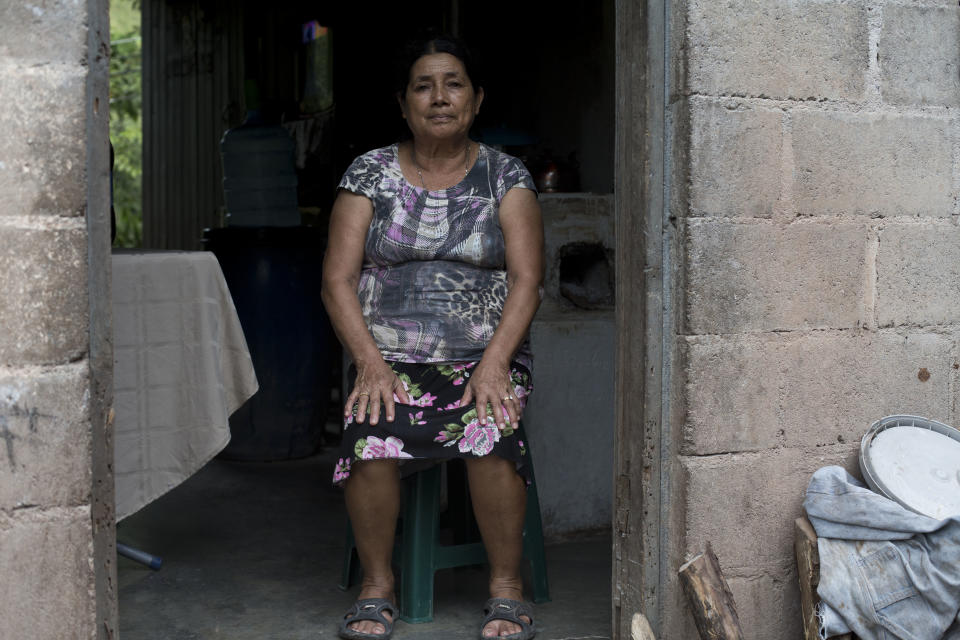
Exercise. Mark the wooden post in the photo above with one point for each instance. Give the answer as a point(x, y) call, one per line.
point(808, 573)
point(710, 599)
point(640, 628)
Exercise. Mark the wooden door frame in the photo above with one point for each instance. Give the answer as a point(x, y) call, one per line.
point(642, 258)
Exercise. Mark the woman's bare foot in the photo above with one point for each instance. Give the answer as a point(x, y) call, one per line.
point(374, 591)
point(512, 590)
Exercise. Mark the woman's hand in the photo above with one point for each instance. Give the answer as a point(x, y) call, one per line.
point(375, 384)
point(490, 384)
point(490, 381)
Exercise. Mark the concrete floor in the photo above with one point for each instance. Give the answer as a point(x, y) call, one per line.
point(254, 550)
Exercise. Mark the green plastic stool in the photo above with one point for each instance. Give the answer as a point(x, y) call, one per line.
point(421, 554)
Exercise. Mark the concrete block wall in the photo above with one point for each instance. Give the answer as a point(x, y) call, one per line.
point(819, 251)
point(56, 491)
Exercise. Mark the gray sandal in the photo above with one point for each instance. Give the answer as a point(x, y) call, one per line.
point(510, 611)
point(368, 609)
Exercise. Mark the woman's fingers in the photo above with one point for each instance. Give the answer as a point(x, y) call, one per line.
point(508, 411)
point(497, 407)
point(393, 390)
point(482, 402)
point(375, 407)
point(493, 399)
point(387, 404)
point(393, 394)
point(358, 402)
point(491, 402)
point(375, 397)
point(400, 392)
point(363, 403)
point(512, 408)
point(467, 396)
point(371, 399)
point(348, 406)
point(378, 396)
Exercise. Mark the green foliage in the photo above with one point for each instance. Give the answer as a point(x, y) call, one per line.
point(126, 127)
point(124, 17)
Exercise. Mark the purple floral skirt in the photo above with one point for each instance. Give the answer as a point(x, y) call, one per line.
point(435, 426)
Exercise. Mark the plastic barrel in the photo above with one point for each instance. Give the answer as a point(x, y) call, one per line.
point(259, 176)
point(274, 276)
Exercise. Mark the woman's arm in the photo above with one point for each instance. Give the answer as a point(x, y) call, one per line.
point(349, 222)
point(523, 236)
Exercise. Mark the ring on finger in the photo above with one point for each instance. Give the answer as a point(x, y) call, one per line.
point(363, 394)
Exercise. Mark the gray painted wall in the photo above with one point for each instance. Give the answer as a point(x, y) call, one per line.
point(570, 422)
point(570, 416)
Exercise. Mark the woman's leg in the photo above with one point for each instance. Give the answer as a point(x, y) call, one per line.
point(372, 493)
point(500, 503)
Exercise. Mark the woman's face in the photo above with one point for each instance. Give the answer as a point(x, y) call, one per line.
point(440, 102)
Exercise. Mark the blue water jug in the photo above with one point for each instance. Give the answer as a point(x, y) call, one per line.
point(259, 177)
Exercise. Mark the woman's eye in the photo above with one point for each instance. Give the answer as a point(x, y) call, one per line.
point(421, 87)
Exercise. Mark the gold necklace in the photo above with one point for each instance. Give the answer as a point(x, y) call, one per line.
point(466, 162)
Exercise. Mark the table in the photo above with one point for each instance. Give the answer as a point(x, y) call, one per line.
point(181, 367)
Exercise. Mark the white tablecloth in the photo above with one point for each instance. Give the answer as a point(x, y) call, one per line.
point(181, 367)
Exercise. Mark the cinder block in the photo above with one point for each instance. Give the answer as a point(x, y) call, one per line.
point(768, 603)
point(754, 495)
point(748, 393)
point(48, 575)
point(43, 155)
point(919, 56)
point(733, 394)
point(43, 295)
point(765, 277)
point(735, 155)
point(918, 275)
point(44, 437)
point(48, 32)
point(778, 49)
point(835, 388)
point(872, 164)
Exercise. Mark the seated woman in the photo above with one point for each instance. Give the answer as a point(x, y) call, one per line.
point(432, 277)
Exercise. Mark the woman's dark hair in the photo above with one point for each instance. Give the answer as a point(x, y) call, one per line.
point(426, 44)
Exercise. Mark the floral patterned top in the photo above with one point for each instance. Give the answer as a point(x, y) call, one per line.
point(433, 280)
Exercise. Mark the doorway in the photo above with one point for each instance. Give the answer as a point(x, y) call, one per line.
point(558, 63)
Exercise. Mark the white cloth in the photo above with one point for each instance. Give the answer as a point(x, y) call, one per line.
point(181, 367)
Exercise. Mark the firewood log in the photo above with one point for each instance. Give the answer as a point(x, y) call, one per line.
point(711, 602)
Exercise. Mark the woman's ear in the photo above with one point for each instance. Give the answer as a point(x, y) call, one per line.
point(403, 105)
point(479, 99)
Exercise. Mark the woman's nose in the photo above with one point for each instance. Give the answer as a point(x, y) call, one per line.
point(439, 96)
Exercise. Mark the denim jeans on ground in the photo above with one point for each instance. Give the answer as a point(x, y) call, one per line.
point(885, 571)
